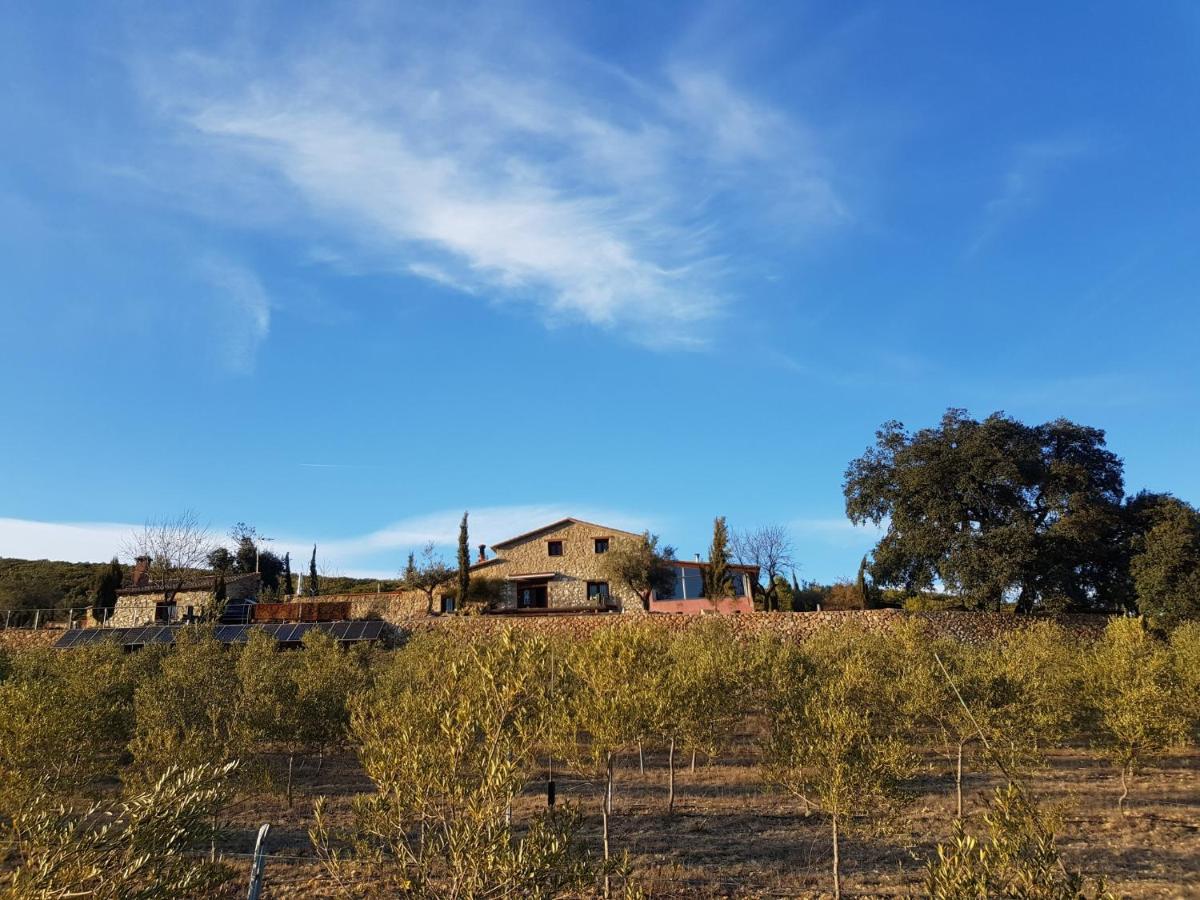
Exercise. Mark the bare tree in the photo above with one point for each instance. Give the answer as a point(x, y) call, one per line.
point(175, 547)
point(770, 548)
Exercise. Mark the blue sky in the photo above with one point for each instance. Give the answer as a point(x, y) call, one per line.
point(345, 271)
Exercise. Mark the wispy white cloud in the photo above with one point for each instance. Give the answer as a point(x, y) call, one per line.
point(837, 530)
point(534, 175)
point(1031, 166)
point(242, 309)
point(487, 526)
point(378, 553)
point(70, 541)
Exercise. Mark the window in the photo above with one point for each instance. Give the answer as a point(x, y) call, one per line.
point(554, 548)
point(597, 592)
point(531, 596)
point(738, 581)
point(601, 545)
point(689, 584)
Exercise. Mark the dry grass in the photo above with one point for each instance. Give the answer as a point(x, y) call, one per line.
point(732, 837)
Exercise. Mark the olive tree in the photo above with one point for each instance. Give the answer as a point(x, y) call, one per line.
point(832, 740)
point(297, 702)
point(1017, 858)
point(192, 711)
point(1135, 693)
point(64, 719)
point(449, 737)
point(142, 845)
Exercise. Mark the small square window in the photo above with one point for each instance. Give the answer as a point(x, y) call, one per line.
point(554, 548)
point(597, 592)
point(601, 545)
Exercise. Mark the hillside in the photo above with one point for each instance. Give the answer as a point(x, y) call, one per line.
point(46, 584)
point(53, 584)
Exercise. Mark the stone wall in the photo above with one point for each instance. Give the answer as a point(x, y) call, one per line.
point(391, 606)
point(971, 627)
point(579, 564)
point(27, 638)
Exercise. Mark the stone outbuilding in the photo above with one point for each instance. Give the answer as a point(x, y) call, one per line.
point(143, 603)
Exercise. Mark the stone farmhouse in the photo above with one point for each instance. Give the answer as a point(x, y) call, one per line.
point(560, 567)
point(143, 603)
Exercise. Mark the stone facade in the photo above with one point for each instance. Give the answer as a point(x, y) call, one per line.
point(144, 605)
point(567, 576)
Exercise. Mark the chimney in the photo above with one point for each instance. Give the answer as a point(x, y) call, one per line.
point(482, 553)
point(141, 571)
point(697, 557)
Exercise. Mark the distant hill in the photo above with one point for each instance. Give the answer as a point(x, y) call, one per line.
point(52, 584)
point(46, 584)
point(344, 585)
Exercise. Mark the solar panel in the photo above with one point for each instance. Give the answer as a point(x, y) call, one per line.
point(339, 630)
point(302, 630)
point(372, 629)
point(67, 638)
point(226, 633)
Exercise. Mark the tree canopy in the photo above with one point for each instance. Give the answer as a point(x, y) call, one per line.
point(1166, 563)
point(995, 510)
point(640, 566)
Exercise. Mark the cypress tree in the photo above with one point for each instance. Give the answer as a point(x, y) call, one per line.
point(107, 586)
point(313, 588)
point(464, 563)
point(287, 575)
point(718, 583)
point(860, 583)
point(219, 590)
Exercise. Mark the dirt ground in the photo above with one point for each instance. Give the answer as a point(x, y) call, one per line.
point(732, 837)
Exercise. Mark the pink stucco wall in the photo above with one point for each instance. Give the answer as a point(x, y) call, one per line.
point(701, 605)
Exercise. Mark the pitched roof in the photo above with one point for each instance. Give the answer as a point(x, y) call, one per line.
point(567, 521)
point(207, 583)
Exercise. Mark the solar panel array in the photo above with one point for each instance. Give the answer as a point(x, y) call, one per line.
point(287, 633)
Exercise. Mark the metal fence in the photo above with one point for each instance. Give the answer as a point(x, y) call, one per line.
point(60, 617)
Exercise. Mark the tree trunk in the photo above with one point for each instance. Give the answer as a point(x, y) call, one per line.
point(1124, 788)
point(837, 875)
point(320, 760)
point(1025, 600)
point(641, 760)
point(291, 766)
point(671, 778)
point(693, 760)
point(958, 770)
point(604, 821)
point(608, 786)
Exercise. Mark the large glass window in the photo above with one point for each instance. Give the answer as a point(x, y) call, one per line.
point(689, 584)
point(738, 582)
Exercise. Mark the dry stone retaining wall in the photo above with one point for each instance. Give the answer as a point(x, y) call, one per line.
point(28, 638)
point(971, 627)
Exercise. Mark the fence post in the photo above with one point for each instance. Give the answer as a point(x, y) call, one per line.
point(258, 865)
point(37, 615)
